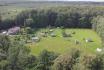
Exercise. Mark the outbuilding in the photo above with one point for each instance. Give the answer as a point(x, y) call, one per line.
point(51, 30)
point(43, 34)
point(13, 31)
point(35, 39)
point(53, 35)
point(88, 40)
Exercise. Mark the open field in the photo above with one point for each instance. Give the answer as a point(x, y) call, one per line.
point(62, 45)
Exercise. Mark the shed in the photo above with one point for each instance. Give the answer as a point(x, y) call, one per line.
point(51, 30)
point(53, 35)
point(43, 34)
point(35, 39)
point(88, 40)
point(28, 41)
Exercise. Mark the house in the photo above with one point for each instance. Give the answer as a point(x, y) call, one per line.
point(13, 31)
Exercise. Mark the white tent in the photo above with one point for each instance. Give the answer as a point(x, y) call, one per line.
point(98, 50)
point(51, 30)
point(88, 40)
point(4, 32)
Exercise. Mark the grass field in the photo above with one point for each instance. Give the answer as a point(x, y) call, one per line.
point(62, 45)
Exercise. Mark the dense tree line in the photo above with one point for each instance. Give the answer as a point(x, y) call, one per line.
point(70, 17)
point(56, 17)
point(98, 26)
point(15, 56)
point(75, 61)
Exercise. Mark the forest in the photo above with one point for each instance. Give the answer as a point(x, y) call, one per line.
point(15, 54)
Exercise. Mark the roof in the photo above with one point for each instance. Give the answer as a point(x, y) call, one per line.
point(51, 30)
point(88, 39)
point(52, 33)
point(35, 38)
point(14, 30)
point(4, 32)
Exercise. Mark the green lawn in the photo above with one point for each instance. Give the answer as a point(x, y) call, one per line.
point(62, 45)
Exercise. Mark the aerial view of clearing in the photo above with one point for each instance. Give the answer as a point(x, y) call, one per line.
point(84, 39)
point(51, 35)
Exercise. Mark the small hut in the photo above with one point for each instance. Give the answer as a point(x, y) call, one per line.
point(28, 41)
point(2, 55)
point(53, 35)
point(88, 40)
point(43, 34)
point(35, 39)
point(51, 31)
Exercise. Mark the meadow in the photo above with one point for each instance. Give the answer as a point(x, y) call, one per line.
point(63, 45)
